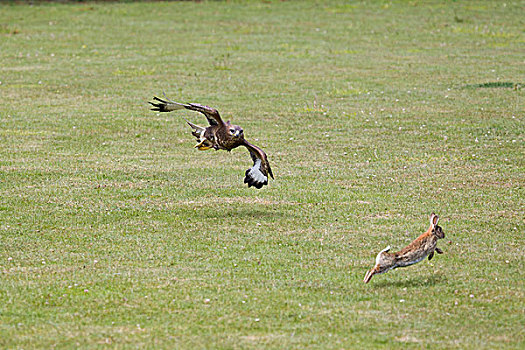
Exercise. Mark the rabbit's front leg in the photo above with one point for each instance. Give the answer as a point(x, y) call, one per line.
point(430, 256)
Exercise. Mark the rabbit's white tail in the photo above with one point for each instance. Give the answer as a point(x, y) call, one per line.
point(377, 268)
point(378, 257)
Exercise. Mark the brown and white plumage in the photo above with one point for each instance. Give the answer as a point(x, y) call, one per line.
point(221, 135)
point(423, 246)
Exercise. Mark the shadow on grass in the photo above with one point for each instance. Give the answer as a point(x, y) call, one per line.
point(492, 85)
point(414, 282)
point(248, 212)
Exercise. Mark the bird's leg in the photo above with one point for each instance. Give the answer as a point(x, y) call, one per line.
point(201, 146)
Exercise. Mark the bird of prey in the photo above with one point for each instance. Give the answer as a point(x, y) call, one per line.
point(221, 135)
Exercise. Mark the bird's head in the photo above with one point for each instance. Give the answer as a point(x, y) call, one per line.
point(235, 131)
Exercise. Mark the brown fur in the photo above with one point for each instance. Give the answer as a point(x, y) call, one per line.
point(423, 246)
point(221, 135)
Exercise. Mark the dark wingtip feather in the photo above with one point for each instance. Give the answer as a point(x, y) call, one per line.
point(159, 99)
point(251, 182)
point(158, 107)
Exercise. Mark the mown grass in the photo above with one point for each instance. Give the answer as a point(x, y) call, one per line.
point(116, 232)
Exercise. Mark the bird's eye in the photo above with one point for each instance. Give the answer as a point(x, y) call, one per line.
point(232, 130)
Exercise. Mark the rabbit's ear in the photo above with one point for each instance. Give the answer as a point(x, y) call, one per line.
point(434, 220)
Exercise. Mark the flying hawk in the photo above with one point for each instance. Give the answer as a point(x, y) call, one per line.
point(221, 135)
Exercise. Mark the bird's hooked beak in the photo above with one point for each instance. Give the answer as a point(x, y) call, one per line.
point(238, 133)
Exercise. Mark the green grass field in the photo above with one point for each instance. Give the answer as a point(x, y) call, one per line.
point(116, 233)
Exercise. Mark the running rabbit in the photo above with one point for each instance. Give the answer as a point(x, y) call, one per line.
point(416, 251)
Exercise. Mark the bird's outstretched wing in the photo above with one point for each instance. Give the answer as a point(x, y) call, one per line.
point(167, 106)
point(257, 175)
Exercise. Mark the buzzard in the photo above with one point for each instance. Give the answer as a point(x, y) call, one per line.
point(221, 135)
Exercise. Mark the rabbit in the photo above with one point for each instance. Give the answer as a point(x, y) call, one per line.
point(424, 245)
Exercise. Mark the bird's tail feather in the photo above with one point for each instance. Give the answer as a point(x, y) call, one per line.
point(195, 127)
